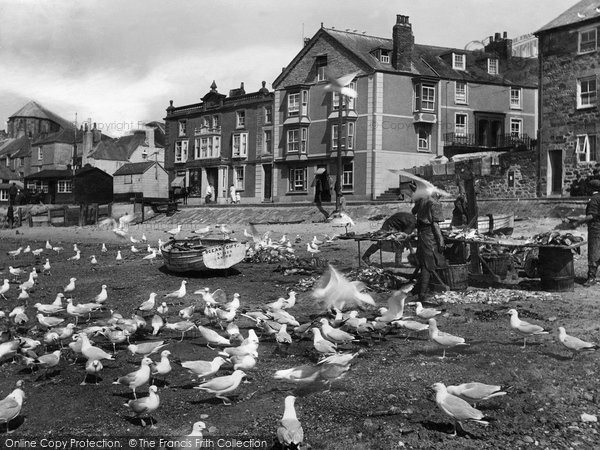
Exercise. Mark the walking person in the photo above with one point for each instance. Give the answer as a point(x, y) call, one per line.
point(233, 194)
point(12, 194)
point(592, 218)
point(430, 244)
point(209, 193)
point(184, 194)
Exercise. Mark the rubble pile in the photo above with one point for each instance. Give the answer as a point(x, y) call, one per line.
point(377, 279)
point(492, 296)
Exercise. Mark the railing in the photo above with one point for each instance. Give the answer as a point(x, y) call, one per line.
point(207, 130)
point(501, 141)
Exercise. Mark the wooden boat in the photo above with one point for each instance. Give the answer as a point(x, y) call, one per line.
point(190, 255)
point(497, 222)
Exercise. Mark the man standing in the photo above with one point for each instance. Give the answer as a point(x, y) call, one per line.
point(12, 194)
point(400, 222)
point(431, 242)
point(592, 218)
point(209, 193)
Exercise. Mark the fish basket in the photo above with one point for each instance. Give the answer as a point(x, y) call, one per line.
point(456, 276)
point(497, 263)
point(192, 255)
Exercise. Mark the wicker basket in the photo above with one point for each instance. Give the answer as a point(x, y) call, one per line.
point(456, 276)
point(498, 264)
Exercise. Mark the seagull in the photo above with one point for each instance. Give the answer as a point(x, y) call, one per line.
point(338, 291)
point(340, 84)
point(243, 362)
point(525, 328)
point(49, 321)
point(322, 345)
point(424, 187)
point(119, 257)
point(175, 231)
point(15, 271)
point(149, 304)
point(71, 286)
point(48, 245)
point(455, 407)
point(137, 378)
point(27, 249)
point(395, 309)
point(411, 325)
point(203, 230)
point(92, 367)
point(245, 348)
point(146, 348)
point(212, 337)
point(49, 360)
point(290, 433)
point(282, 336)
point(144, 238)
point(115, 336)
point(475, 392)
point(163, 367)
point(313, 249)
point(58, 249)
point(103, 249)
point(93, 260)
point(197, 429)
point(163, 309)
point(134, 240)
point(157, 324)
point(15, 253)
point(290, 301)
point(91, 352)
point(10, 406)
point(23, 295)
point(37, 251)
point(301, 374)
point(574, 344)
point(426, 313)
point(75, 257)
point(204, 369)
point(335, 335)
point(47, 267)
point(4, 288)
point(444, 340)
point(145, 405)
point(234, 303)
point(27, 284)
point(226, 231)
point(102, 296)
point(179, 293)
point(48, 309)
point(151, 257)
point(183, 326)
point(186, 313)
point(223, 385)
point(134, 249)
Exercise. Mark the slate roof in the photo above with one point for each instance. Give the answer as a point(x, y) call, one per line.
point(15, 146)
point(34, 109)
point(8, 174)
point(426, 61)
point(583, 11)
point(50, 174)
point(134, 168)
point(119, 149)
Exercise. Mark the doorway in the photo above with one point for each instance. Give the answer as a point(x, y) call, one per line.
point(490, 129)
point(556, 172)
point(212, 177)
point(268, 180)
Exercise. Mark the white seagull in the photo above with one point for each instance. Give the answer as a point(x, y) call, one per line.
point(455, 407)
point(444, 340)
point(525, 328)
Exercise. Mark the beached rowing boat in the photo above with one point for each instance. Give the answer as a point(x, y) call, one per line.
point(190, 255)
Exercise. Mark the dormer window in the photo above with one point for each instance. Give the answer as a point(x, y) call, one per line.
point(384, 56)
point(493, 66)
point(587, 40)
point(459, 61)
point(321, 67)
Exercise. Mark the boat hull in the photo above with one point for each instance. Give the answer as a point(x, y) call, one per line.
point(202, 255)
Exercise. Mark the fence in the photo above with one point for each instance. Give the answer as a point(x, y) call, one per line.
point(70, 215)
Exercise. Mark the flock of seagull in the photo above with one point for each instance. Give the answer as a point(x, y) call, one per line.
point(211, 315)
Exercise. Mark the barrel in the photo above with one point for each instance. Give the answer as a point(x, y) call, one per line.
point(456, 276)
point(556, 269)
point(498, 263)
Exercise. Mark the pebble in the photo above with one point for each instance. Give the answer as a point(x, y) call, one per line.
point(528, 439)
point(585, 417)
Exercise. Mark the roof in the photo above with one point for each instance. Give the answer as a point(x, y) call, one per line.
point(49, 174)
point(134, 168)
point(8, 174)
point(65, 136)
point(119, 149)
point(427, 60)
point(583, 11)
point(13, 146)
point(88, 168)
point(34, 109)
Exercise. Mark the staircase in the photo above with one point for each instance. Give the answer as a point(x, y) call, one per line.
point(391, 195)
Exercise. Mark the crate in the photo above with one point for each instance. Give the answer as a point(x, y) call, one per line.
point(456, 276)
point(499, 264)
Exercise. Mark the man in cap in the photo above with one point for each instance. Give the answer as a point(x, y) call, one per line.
point(592, 218)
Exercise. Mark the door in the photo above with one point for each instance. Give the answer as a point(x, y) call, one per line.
point(556, 172)
point(223, 184)
point(268, 179)
point(212, 177)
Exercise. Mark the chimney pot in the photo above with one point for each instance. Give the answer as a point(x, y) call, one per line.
point(94, 125)
point(242, 85)
point(497, 36)
point(505, 35)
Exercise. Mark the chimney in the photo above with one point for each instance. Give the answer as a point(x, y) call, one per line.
point(496, 36)
point(307, 40)
point(403, 43)
point(500, 45)
point(150, 137)
point(88, 144)
point(97, 134)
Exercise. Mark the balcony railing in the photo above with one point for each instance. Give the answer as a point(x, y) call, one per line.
point(207, 130)
point(521, 141)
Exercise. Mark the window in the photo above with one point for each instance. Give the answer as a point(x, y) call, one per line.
point(128, 179)
point(181, 151)
point(427, 98)
point(348, 176)
point(458, 61)
point(205, 150)
point(240, 145)
point(587, 40)
point(216, 147)
point(304, 95)
point(321, 67)
point(205, 123)
point(586, 148)
point(293, 108)
point(4, 195)
point(65, 186)
point(350, 100)
point(460, 124)
point(40, 156)
point(423, 141)
point(516, 126)
point(347, 135)
point(298, 179)
point(182, 127)
point(384, 56)
point(268, 141)
point(297, 140)
point(515, 98)
point(215, 123)
point(197, 147)
point(240, 119)
point(493, 66)
point(239, 177)
point(268, 114)
point(460, 92)
point(586, 90)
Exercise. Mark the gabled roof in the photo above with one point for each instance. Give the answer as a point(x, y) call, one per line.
point(426, 61)
point(13, 147)
point(63, 136)
point(50, 174)
point(8, 174)
point(82, 171)
point(134, 168)
point(34, 109)
point(583, 11)
point(119, 149)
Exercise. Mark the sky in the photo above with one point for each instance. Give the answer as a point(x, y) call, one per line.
point(119, 62)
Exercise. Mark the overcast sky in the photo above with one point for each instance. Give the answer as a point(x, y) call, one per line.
point(120, 62)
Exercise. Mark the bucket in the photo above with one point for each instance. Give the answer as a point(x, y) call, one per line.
point(456, 276)
point(557, 272)
point(498, 264)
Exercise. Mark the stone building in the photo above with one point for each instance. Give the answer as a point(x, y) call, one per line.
point(223, 140)
point(415, 102)
point(569, 60)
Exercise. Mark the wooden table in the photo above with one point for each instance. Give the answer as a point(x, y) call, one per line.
point(404, 241)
